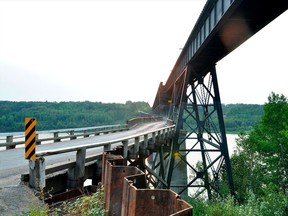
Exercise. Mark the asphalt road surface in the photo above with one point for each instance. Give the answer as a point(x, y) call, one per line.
point(13, 164)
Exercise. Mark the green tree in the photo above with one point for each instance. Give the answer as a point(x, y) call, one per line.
point(269, 139)
point(53, 115)
point(260, 163)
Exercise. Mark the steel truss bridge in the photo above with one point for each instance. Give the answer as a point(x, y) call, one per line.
point(190, 97)
point(189, 101)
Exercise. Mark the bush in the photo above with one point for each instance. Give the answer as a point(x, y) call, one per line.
point(273, 203)
point(92, 205)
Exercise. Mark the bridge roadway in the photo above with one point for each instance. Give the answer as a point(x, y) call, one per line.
point(13, 164)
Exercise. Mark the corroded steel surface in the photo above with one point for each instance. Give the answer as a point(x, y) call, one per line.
point(69, 195)
point(127, 194)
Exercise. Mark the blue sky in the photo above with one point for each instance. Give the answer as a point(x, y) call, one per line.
point(114, 51)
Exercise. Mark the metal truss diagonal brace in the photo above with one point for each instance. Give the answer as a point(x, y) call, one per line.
point(196, 99)
point(224, 147)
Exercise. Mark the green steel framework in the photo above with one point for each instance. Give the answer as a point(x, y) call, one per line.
point(195, 108)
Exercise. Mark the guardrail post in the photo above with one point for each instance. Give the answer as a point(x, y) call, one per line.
point(38, 142)
point(9, 139)
point(151, 143)
point(145, 141)
point(56, 135)
point(85, 134)
point(144, 145)
point(77, 173)
point(166, 134)
point(37, 178)
point(162, 137)
point(72, 137)
point(97, 132)
point(158, 139)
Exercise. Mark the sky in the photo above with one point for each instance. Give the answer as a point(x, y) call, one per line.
point(114, 51)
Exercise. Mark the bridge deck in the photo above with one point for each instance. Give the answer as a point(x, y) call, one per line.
point(13, 164)
point(221, 28)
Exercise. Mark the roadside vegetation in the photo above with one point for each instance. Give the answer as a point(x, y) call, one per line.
point(92, 205)
point(259, 167)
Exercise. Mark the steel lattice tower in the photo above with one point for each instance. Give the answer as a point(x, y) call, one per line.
point(195, 108)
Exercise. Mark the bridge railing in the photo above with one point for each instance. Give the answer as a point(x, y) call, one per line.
point(58, 135)
point(135, 121)
point(206, 23)
point(137, 142)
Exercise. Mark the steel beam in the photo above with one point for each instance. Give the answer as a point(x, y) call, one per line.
point(199, 114)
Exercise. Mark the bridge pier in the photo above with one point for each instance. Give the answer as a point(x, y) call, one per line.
point(37, 176)
point(179, 175)
point(75, 175)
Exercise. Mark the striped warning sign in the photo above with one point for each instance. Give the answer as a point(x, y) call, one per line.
point(30, 138)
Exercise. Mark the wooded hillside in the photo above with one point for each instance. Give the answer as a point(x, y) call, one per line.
point(58, 115)
point(241, 117)
point(54, 115)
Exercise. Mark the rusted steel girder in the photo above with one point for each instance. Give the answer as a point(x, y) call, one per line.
point(127, 193)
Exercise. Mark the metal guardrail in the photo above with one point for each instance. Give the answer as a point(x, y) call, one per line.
point(124, 140)
point(73, 133)
point(136, 142)
point(134, 121)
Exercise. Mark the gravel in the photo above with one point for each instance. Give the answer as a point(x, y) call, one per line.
point(17, 199)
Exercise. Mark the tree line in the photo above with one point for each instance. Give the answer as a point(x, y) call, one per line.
point(58, 115)
point(241, 117)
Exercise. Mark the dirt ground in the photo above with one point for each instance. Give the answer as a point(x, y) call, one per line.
point(17, 199)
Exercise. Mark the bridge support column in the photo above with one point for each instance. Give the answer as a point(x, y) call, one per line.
point(179, 176)
point(107, 147)
point(37, 177)
point(77, 173)
point(125, 148)
point(134, 152)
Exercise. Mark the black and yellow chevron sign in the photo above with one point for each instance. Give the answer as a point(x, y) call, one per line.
point(30, 138)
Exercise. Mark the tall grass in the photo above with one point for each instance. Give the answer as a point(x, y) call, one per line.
point(92, 205)
point(273, 204)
